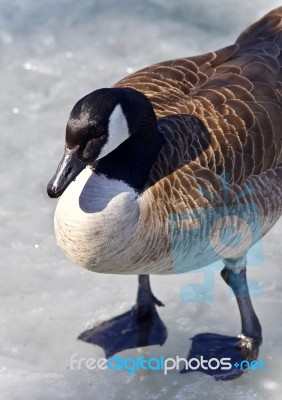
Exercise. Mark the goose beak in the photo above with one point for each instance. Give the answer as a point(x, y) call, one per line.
point(67, 171)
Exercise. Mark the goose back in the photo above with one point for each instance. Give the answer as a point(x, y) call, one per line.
point(221, 115)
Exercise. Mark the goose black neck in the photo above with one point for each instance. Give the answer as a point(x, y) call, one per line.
point(132, 160)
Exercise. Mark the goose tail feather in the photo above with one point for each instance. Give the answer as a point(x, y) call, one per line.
point(267, 29)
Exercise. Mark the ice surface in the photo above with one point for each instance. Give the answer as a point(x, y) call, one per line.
point(53, 53)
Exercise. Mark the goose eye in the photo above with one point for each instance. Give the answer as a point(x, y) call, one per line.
point(92, 148)
point(87, 151)
point(98, 130)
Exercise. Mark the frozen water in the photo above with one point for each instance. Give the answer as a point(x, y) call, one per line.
point(53, 53)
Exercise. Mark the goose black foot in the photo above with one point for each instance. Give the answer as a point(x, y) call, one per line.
point(237, 352)
point(240, 351)
point(138, 327)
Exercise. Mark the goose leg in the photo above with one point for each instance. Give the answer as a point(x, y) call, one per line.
point(138, 327)
point(242, 349)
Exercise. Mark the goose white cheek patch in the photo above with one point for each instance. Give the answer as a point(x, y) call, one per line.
point(118, 131)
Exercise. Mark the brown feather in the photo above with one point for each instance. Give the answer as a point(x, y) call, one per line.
point(221, 114)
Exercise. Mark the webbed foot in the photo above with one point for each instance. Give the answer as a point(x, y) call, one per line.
point(138, 327)
point(223, 357)
point(238, 352)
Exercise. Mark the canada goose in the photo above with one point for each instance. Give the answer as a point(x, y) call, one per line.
point(157, 168)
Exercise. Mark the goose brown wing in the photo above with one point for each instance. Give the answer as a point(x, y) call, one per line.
point(234, 98)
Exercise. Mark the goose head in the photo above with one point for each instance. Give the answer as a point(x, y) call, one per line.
point(98, 124)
